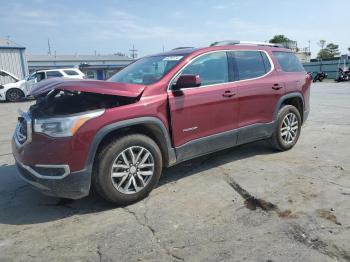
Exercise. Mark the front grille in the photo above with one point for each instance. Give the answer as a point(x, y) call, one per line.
point(22, 130)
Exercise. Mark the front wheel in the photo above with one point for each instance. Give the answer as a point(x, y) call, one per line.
point(288, 128)
point(14, 95)
point(127, 169)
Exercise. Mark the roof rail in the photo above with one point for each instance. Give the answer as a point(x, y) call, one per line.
point(236, 42)
point(182, 47)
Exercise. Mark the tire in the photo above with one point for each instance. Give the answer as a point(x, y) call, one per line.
point(14, 95)
point(280, 139)
point(112, 154)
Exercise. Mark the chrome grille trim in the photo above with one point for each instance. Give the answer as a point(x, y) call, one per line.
point(18, 136)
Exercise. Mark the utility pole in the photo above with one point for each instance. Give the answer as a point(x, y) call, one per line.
point(309, 46)
point(133, 52)
point(49, 47)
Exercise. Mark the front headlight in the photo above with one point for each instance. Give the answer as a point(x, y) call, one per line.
point(63, 126)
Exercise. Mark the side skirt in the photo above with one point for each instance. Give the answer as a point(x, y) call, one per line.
point(217, 142)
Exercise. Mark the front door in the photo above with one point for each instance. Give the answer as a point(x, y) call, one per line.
point(203, 117)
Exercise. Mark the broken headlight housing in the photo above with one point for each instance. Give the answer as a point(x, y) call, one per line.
point(63, 126)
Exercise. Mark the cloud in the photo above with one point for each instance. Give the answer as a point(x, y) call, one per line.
point(219, 7)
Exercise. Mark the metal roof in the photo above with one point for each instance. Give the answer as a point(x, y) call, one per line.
point(78, 58)
point(6, 43)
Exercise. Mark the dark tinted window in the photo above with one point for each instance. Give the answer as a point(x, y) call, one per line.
point(288, 62)
point(53, 74)
point(212, 68)
point(250, 64)
point(71, 72)
point(40, 76)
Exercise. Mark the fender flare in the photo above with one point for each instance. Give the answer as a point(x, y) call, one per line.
point(103, 132)
point(285, 97)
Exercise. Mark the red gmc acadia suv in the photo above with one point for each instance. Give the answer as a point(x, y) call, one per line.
point(118, 135)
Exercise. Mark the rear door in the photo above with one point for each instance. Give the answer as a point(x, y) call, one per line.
point(258, 87)
point(207, 111)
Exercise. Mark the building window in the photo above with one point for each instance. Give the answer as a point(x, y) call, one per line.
point(90, 74)
point(110, 73)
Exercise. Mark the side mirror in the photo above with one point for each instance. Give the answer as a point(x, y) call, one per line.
point(186, 81)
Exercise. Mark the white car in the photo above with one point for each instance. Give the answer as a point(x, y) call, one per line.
point(18, 90)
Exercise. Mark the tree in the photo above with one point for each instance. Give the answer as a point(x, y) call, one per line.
point(349, 49)
point(321, 43)
point(330, 51)
point(279, 39)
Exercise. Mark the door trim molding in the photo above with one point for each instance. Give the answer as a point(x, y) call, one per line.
point(224, 140)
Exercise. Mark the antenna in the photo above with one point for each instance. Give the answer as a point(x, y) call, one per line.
point(49, 47)
point(133, 52)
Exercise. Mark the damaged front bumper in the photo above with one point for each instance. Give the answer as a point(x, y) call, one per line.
point(73, 185)
point(53, 179)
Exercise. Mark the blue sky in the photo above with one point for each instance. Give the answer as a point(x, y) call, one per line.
point(111, 26)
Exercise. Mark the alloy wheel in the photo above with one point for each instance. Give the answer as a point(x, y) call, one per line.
point(290, 128)
point(132, 169)
point(14, 95)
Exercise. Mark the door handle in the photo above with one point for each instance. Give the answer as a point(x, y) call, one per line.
point(228, 94)
point(277, 87)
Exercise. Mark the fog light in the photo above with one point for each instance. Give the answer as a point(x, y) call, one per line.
point(50, 171)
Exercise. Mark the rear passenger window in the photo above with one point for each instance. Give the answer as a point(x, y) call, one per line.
point(212, 68)
point(288, 61)
point(251, 64)
point(71, 72)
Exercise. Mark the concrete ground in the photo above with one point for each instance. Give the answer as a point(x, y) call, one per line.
point(298, 208)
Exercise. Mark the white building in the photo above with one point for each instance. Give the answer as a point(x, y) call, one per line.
point(13, 60)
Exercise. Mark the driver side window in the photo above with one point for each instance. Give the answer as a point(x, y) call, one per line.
point(40, 76)
point(212, 68)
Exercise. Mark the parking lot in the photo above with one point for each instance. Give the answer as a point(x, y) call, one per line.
point(249, 203)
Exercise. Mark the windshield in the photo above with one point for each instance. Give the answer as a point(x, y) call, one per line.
point(147, 70)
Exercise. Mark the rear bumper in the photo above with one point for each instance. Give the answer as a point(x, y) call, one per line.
point(74, 185)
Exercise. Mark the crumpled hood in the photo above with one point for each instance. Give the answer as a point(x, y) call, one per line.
point(91, 86)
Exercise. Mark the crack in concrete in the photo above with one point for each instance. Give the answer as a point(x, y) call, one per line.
point(300, 235)
point(6, 154)
point(99, 253)
point(152, 230)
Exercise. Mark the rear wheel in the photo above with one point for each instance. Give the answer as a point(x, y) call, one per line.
point(288, 127)
point(127, 169)
point(14, 95)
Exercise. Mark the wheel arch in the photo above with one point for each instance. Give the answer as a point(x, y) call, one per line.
point(295, 99)
point(149, 126)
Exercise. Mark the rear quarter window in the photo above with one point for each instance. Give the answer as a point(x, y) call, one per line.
point(288, 61)
point(71, 72)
